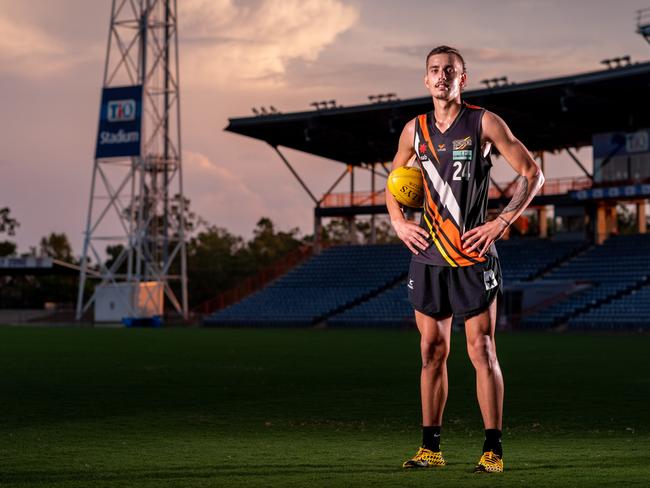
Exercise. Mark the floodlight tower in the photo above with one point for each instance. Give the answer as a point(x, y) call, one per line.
point(136, 195)
point(643, 23)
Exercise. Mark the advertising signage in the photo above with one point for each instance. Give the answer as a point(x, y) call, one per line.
point(120, 121)
point(627, 191)
point(620, 156)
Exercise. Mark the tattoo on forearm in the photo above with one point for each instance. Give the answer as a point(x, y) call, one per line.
point(519, 196)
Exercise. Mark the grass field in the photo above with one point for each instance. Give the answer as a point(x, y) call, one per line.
point(298, 408)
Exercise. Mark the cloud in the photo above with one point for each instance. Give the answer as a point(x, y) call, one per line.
point(218, 194)
point(28, 51)
point(352, 82)
point(417, 51)
point(210, 175)
point(477, 55)
point(255, 42)
point(518, 64)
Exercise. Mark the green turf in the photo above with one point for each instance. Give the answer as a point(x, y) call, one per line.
point(298, 408)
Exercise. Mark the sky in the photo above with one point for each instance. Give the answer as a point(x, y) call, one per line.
point(235, 55)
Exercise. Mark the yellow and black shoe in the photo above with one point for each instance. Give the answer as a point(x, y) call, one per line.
point(489, 463)
point(425, 458)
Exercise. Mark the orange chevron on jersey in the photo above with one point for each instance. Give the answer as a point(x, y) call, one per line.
point(450, 235)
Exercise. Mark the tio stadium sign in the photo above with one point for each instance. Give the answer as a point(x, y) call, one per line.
point(120, 121)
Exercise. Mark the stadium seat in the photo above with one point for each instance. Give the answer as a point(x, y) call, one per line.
point(615, 270)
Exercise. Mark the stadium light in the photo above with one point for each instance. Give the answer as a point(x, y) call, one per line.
point(495, 82)
point(262, 111)
point(617, 62)
point(319, 105)
point(324, 105)
point(383, 97)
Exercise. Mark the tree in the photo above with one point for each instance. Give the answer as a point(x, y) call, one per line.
point(113, 253)
point(267, 245)
point(7, 248)
point(7, 223)
point(218, 260)
point(57, 246)
point(213, 262)
point(337, 231)
point(384, 232)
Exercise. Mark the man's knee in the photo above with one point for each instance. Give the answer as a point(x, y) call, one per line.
point(482, 351)
point(434, 353)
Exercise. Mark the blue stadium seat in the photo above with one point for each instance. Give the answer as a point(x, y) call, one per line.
point(337, 278)
point(363, 286)
point(613, 269)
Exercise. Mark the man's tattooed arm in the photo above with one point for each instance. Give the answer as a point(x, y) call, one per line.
point(525, 189)
point(518, 196)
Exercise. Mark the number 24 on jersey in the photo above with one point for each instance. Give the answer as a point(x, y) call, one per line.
point(461, 170)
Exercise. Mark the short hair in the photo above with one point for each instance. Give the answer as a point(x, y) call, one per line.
point(445, 50)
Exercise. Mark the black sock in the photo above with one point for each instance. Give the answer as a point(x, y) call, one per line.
point(431, 437)
point(493, 442)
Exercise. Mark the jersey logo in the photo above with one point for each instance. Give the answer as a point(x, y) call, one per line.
point(463, 154)
point(489, 280)
point(441, 148)
point(460, 144)
point(420, 148)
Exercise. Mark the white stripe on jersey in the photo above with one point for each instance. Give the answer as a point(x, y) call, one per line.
point(444, 191)
point(416, 145)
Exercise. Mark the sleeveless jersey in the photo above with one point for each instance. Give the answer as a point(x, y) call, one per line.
point(456, 182)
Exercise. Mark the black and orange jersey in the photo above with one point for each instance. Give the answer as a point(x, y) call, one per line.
point(456, 182)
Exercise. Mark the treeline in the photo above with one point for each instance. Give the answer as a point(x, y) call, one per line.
point(217, 260)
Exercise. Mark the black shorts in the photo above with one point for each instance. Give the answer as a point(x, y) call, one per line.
point(465, 291)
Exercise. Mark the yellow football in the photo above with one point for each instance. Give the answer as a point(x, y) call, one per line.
point(406, 185)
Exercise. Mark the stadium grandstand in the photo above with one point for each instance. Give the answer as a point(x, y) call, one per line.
point(580, 272)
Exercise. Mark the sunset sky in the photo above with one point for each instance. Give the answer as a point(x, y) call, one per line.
point(241, 54)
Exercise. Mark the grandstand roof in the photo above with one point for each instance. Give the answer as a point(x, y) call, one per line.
point(548, 115)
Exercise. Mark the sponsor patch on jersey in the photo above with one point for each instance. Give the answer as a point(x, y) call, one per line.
point(465, 154)
point(421, 151)
point(441, 148)
point(460, 144)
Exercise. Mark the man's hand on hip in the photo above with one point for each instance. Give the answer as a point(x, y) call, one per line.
point(411, 234)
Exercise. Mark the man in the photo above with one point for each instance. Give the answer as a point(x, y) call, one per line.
point(454, 268)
